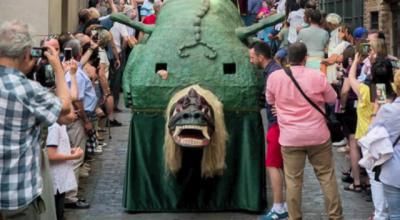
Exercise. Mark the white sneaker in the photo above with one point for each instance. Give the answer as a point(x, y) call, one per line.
point(83, 173)
point(98, 149)
point(340, 143)
point(102, 144)
point(86, 166)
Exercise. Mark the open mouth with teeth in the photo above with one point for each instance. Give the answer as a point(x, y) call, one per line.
point(191, 122)
point(191, 136)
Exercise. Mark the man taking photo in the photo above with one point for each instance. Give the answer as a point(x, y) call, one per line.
point(24, 106)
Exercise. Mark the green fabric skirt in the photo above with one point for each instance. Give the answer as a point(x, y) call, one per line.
point(148, 187)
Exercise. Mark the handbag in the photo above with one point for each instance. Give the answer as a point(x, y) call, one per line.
point(378, 168)
point(333, 124)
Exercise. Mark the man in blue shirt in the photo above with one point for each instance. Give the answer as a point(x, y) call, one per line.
point(79, 130)
point(261, 57)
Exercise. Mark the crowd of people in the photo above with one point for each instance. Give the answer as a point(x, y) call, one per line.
point(57, 102)
point(318, 70)
point(312, 63)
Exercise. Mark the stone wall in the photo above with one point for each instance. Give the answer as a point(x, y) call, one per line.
point(385, 18)
point(45, 16)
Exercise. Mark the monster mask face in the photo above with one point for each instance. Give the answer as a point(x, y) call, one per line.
point(195, 119)
point(192, 121)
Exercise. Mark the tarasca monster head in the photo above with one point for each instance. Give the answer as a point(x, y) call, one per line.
point(195, 119)
point(191, 121)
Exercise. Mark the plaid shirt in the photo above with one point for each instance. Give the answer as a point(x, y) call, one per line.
point(24, 106)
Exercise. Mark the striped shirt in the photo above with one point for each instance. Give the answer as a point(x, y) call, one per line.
point(24, 106)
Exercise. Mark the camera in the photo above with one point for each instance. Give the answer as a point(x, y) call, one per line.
point(38, 52)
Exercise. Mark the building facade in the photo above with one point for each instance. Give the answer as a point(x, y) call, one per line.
point(351, 10)
point(384, 15)
point(45, 16)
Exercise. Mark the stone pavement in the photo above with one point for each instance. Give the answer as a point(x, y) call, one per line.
point(104, 188)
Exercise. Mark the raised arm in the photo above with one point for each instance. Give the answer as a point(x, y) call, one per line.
point(61, 85)
point(354, 83)
point(114, 8)
point(74, 84)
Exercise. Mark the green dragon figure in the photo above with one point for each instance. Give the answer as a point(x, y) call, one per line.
point(207, 85)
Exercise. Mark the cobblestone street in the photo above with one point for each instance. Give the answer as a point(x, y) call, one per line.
point(104, 188)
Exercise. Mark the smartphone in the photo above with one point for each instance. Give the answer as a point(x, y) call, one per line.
point(365, 48)
point(37, 52)
point(381, 93)
point(68, 53)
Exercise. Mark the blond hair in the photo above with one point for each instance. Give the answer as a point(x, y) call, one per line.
point(94, 13)
point(379, 47)
point(213, 160)
point(105, 38)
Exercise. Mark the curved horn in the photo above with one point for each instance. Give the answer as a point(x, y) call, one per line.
point(123, 19)
point(244, 32)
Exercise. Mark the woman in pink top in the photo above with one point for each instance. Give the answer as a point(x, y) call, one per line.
point(304, 132)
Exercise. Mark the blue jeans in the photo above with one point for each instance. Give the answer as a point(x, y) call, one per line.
point(392, 195)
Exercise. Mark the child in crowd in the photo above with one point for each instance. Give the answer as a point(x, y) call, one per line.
point(60, 153)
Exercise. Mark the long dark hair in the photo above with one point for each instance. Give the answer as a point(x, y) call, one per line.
point(382, 73)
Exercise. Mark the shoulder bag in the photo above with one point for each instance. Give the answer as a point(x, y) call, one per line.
point(334, 125)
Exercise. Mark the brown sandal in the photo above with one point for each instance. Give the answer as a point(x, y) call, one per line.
point(354, 188)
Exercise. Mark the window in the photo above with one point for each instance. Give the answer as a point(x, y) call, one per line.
point(351, 11)
point(374, 20)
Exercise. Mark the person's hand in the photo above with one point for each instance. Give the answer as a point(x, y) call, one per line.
point(117, 64)
point(357, 58)
point(70, 66)
point(73, 67)
point(132, 41)
point(76, 152)
point(273, 110)
point(88, 127)
point(52, 57)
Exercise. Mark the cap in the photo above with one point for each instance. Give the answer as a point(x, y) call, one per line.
point(360, 32)
point(334, 18)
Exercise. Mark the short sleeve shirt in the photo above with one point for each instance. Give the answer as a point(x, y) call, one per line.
point(315, 39)
point(365, 109)
point(62, 172)
point(24, 106)
point(119, 31)
point(86, 92)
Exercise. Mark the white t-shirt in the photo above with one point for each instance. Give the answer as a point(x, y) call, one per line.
point(331, 70)
point(334, 41)
point(119, 31)
point(295, 19)
point(281, 7)
point(62, 172)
